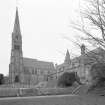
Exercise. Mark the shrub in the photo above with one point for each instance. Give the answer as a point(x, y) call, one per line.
point(97, 74)
point(67, 79)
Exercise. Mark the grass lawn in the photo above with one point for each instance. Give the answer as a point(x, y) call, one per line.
point(55, 100)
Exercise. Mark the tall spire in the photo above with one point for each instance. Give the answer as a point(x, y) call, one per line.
point(16, 29)
point(67, 58)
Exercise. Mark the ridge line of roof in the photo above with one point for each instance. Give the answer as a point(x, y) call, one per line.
point(32, 59)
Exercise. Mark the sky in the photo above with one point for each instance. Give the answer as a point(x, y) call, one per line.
point(44, 24)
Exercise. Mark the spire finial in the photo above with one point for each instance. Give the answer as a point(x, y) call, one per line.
point(16, 4)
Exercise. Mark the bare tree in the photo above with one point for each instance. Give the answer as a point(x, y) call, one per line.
point(93, 22)
point(92, 26)
point(93, 29)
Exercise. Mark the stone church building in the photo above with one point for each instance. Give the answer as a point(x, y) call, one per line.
point(25, 70)
point(81, 64)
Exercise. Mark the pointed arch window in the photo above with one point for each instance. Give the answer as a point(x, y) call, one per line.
point(16, 47)
point(17, 78)
point(36, 71)
point(17, 37)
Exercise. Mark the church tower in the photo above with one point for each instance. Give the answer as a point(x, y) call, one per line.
point(67, 58)
point(16, 60)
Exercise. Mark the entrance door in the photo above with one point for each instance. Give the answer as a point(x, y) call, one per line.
point(16, 78)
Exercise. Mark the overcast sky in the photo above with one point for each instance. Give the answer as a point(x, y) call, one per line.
point(43, 24)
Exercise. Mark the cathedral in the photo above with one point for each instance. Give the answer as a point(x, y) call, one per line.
point(29, 71)
point(25, 70)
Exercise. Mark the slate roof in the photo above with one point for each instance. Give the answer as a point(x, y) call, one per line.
point(28, 62)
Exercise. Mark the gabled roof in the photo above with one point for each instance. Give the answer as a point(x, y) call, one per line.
point(28, 62)
point(90, 56)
